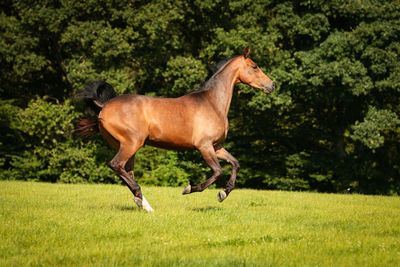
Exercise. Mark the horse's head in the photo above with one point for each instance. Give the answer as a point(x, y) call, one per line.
point(251, 74)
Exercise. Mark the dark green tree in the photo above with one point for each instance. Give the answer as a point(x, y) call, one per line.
point(332, 124)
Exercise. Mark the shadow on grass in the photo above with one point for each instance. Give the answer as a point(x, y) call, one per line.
point(207, 209)
point(126, 208)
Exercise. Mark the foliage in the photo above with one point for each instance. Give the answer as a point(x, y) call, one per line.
point(49, 152)
point(331, 125)
point(160, 168)
point(369, 132)
point(184, 74)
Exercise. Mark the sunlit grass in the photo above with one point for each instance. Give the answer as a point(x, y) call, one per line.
point(59, 224)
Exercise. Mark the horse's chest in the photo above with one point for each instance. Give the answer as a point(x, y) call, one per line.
point(226, 126)
point(222, 133)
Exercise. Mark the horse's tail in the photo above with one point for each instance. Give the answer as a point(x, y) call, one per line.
point(94, 95)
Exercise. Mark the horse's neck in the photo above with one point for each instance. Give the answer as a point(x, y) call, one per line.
point(222, 90)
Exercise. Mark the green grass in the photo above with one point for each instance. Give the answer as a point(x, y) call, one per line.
point(67, 225)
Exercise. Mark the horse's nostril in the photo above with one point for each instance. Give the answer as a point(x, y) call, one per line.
point(273, 86)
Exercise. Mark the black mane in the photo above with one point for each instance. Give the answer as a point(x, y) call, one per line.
point(213, 69)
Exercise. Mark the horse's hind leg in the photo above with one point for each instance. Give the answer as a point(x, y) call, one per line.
point(129, 166)
point(118, 164)
point(226, 156)
point(210, 157)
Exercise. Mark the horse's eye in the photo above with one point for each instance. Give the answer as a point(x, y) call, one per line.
point(255, 67)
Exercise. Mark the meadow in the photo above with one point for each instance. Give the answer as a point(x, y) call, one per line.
point(43, 224)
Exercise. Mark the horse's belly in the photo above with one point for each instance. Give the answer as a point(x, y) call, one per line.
point(170, 136)
point(170, 145)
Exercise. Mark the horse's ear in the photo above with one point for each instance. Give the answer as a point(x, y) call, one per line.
point(246, 52)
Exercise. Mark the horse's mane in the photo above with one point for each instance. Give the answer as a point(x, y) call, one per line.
point(213, 72)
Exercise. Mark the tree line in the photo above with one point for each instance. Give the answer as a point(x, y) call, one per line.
point(332, 125)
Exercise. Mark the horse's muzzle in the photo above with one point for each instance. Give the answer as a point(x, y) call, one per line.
point(269, 89)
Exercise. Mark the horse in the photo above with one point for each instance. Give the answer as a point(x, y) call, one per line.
point(195, 121)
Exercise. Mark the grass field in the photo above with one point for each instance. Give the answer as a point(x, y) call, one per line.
point(68, 225)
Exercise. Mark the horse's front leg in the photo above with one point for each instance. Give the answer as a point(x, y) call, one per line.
point(226, 156)
point(208, 153)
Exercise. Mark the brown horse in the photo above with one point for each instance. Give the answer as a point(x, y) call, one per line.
point(198, 120)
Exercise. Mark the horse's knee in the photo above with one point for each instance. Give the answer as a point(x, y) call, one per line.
point(218, 172)
point(235, 164)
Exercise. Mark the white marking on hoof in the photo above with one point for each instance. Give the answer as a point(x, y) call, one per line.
point(146, 205)
point(187, 190)
point(221, 196)
point(142, 203)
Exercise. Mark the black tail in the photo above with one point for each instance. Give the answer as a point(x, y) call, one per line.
point(94, 95)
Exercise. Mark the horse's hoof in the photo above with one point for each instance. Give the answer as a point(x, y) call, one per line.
point(221, 196)
point(142, 203)
point(148, 209)
point(187, 190)
point(138, 201)
point(146, 206)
